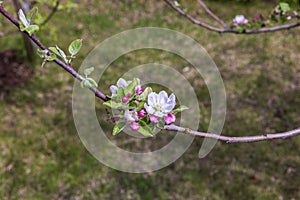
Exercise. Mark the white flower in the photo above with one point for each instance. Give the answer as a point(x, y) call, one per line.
point(120, 84)
point(160, 104)
point(239, 19)
point(131, 116)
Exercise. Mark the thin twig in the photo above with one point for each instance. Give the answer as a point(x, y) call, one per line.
point(228, 139)
point(228, 30)
point(193, 20)
point(208, 11)
point(54, 9)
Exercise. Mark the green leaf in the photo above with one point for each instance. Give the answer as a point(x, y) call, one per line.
point(161, 124)
point(118, 128)
point(31, 14)
point(59, 53)
point(176, 3)
point(179, 109)
point(23, 19)
point(88, 71)
point(120, 93)
point(54, 50)
point(145, 131)
point(285, 7)
point(75, 46)
point(31, 29)
point(145, 94)
point(42, 53)
point(113, 104)
point(92, 82)
point(51, 57)
point(131, 87)
point(62, 54)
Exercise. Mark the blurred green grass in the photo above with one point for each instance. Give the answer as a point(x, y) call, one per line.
point(41, 156)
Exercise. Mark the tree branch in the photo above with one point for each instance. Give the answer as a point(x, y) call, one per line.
point(208, 11)
point(66, 67)
point(228, 139)
point(228, 30)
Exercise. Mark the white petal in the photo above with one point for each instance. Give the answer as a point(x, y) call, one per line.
point(162, 97)
point(167, 108)
point(152, 99)
point(113, 89)
point(172, 98)
point(122, 83)
point(149, 109)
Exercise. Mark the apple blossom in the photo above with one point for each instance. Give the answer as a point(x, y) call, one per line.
point(160, 104)
point(131, 116)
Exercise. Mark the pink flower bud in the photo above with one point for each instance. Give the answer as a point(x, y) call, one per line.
point(125, 99)
point(170, 118)
point(245, 21)
point(137, 103)
point(134, 126)
point(235, 24)
point(139, 89)
point(153, 119)
point(142, 113)
point(129, 95)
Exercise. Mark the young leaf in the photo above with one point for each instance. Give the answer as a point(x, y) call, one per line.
point(23, 19)
point(92, 82)
point(131, 87)
point(179, 109)
point(113, 104)
point(118, 128)
point(42, 53)
point(161, 124)
point(145, 94)
point(75, 46)
point(31, 14)
point(62, 54)
point(88, 71)
point(285, 7)
point(31, 29)
point(120, 93)
point(54, 50)
point(176, 3)
point(145, 131)
point(51, 57)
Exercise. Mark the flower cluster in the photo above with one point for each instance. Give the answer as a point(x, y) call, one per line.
point(239, 20)
point(278, 14)
point(141, 109)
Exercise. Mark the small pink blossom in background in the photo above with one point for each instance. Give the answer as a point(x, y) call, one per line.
point(153, 119)
point(124, 99)
point(245, 22)
point(129, 95)
point(134, 126)
point(139, 89)
point(137, 103)
point(142, 113)
point(170, 118)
